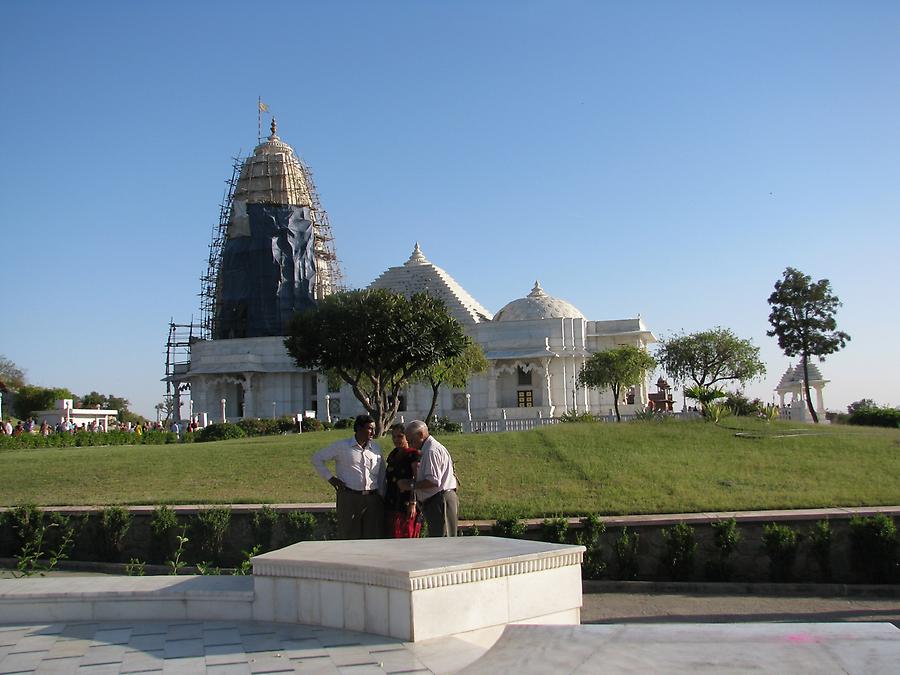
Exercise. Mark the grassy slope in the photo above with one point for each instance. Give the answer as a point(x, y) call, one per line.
point(564, 469)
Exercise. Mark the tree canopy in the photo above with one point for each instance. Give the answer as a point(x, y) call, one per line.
point(802, 319)
point(616, 369)
point(110, 402)
point(31, 399)
point(375, 341)
point(453, 372)
point(709, 356)
point(10, 374)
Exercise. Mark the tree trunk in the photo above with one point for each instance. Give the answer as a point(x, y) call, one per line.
point(809, 403)
point(615, 391)
point(434, 397)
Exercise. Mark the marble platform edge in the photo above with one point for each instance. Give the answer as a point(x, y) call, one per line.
point(450, 575)
point(82, 589)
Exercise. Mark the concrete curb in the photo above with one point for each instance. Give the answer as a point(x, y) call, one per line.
point(743, 588)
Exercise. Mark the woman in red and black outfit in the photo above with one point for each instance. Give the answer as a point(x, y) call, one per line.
point(400, 505)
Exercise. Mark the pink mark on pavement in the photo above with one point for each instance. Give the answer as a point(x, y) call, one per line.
point(802, 638)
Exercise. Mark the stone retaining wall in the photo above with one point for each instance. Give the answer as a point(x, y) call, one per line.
point(750, 563)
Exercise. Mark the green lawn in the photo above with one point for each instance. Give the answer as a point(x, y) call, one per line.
point(565, 469)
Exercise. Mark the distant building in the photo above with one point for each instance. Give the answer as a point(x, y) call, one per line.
point(80, 417)
point(277, 258)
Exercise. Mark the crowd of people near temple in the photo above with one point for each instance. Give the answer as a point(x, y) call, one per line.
point(67, 426)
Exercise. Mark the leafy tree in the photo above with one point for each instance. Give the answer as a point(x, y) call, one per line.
point(861, 404)
point(111, 402)
point(10, 374)
point(616, 369)
point(92, 400)
point(31, 398)
point(453, 372)
point(802, 318)
point(710, 356)
point(376, 341)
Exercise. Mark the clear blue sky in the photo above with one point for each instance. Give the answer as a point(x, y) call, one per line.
point(662, 159)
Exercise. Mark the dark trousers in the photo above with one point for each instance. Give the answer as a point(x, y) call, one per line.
point(359, 516)
point(440, 513)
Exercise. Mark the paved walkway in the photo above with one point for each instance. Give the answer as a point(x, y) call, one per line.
point(256, 647)
point(217, 648)
point(643, 607)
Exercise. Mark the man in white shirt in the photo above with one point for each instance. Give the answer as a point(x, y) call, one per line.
point(358, 479)
point(435, 483)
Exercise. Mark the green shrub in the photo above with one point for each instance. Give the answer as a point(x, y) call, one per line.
point(649, 415)
point(715, 412)
point(24, 520)
point(780, 544)
point(472, 531)
point(679, 546)
point(574, 417)
point(328, 525)
point(219, 432)
point(312, 424)
point(299, 526)
point(114, 525)
point(555, 530)
point(164, 527)
point(286, 425)
point(820, 537)
point(344, 423)
point(509, 526)
point(263, 525)
point(592, 528)
point(210, 527)
point(263, 427)
point(740, 405)
point(626, 547)
point(873, 548)
point(49, 543)
point(443, 425)
point(876, 417)
point(726, 536)
point(158, 437)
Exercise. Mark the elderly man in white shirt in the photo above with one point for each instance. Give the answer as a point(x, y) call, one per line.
point(435, 482)
point(358, 479)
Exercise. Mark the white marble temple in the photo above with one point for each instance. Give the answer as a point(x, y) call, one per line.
point(418, 589)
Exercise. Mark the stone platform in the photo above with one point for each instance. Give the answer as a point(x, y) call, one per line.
point(408, 589)
point(418, 589)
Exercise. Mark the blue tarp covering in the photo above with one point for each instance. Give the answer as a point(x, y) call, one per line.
point(267, 273)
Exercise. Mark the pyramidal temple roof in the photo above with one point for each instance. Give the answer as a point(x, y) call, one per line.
point(420, 275)
point(793, 376)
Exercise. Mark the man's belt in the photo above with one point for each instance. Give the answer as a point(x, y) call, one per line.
point(360, 492)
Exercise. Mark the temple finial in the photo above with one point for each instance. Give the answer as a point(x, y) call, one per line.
point(273, 127)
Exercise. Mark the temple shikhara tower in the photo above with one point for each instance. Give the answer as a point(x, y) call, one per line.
point(272, 255)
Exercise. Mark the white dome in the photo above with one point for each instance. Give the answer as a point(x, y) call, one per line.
point(538, 305)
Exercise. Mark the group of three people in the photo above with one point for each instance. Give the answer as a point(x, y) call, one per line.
point(377, 497)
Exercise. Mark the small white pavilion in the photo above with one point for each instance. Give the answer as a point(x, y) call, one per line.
point(791, 385)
